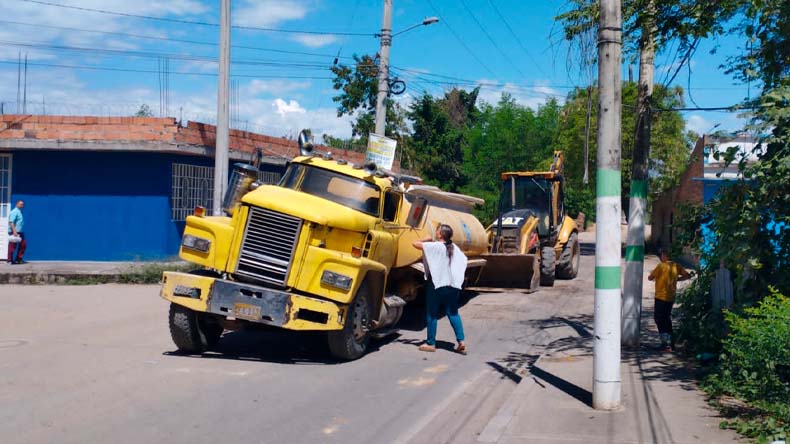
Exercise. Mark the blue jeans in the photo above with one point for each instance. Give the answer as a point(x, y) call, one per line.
point(435, 300)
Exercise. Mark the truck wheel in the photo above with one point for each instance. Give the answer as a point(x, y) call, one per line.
point(352, 341)
point(547, 266)
point(568, 265)
point(191, 332)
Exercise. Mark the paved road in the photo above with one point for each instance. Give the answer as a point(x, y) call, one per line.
point(83, 364)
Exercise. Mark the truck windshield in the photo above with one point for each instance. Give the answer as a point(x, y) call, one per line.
point(531, 193)
point(345, 190)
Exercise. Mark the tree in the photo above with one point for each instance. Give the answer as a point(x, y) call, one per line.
point(439, 136)
point(144, 111)
point(506, 137)
point(668, 158)
point(358, 86)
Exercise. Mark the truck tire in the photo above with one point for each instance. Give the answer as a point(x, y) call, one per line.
point(568, 265)
point(547, 266)
point(191, 332)
point(352, 341)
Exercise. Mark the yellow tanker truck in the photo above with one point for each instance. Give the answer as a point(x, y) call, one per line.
point(329, 248)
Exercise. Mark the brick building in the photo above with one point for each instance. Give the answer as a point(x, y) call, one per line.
point(117, 188)
point(700, 182)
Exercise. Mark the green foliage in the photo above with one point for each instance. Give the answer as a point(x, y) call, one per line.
point(144, 111)
point(359, 145)
point(758, 348)
point(669, 151)
point(506, 137)
point(143, 273)
point(755, 366)
point(439, 136)
point(358, 88)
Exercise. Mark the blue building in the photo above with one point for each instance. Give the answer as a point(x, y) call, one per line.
point(114, 189)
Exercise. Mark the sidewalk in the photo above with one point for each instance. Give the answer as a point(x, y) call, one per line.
point(59, 272)
point(660, 400)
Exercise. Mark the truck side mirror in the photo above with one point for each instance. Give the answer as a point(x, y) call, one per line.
point(418, 208)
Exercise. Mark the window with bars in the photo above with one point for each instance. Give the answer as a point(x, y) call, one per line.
point(193, 185)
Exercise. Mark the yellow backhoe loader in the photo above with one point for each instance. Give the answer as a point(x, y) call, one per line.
point(532, 240)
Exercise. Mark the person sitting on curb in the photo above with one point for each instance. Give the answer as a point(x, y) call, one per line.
point(445, 267)
point(666, 274)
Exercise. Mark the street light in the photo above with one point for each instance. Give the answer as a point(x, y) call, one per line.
point(386, 36)
point(427, 21)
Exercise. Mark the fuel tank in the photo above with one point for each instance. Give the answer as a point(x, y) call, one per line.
point(452, 209)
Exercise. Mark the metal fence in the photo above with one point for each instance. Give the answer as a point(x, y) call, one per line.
point(193, 185)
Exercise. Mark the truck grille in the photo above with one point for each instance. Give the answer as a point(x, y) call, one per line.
point(268, 245)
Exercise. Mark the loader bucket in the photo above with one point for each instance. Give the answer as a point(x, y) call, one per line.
point(510, 271)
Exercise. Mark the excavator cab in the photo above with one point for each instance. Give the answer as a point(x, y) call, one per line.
point(532, 236)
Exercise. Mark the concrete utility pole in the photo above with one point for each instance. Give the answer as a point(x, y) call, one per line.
point(384, 67)
point(635, 240)
point(223, 109)
point(606, 347)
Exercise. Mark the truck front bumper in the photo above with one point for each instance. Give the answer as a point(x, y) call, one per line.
point(251, 302)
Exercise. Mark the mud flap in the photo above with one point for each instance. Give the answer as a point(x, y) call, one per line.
point(510, 271)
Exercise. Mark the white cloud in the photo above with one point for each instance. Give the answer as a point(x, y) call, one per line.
point(43, 15)
point(698, 124)
point(274, 87)
point(315, 40)
point(532, 97)
point(266, 13)
point(282, 107)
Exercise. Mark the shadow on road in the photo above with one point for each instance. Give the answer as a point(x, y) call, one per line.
point(277, 346)
point(587, 248)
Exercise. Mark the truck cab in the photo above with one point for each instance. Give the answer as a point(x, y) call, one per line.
point(318, 251)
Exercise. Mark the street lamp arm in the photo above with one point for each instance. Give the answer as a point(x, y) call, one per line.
point(426, 22)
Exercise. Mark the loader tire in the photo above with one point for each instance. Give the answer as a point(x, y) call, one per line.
point(352, 341)
point(547, 266)
point(568, 265)
point(192, 332)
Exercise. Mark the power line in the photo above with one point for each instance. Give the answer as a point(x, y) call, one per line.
point(149, 71)
point(491, 39)
point(518, 40)
point(192, 22)
point(457, 37)
point(152, 54)
point(492, 85)
point(169, 39)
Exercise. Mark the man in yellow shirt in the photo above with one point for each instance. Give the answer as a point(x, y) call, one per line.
point(666, 274)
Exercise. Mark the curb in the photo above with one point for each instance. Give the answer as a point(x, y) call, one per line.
point(496, 427)
point(46, 278)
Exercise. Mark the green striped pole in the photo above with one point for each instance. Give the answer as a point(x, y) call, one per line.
point(634, 263)
point(637, 208)
point(606, 344)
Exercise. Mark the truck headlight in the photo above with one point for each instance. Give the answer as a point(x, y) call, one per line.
point(196, 243)
point(336, 280)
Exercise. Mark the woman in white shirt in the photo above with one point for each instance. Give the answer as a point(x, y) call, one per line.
point(445, 267)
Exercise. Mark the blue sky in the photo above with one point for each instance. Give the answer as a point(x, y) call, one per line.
point(85, 62)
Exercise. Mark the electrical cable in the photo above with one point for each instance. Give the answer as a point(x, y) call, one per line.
point(457, 37)
point(518, 40)
point(151, 54)
point(491, 39)
point(149, 71)
point(168, 39)
point(191, 22)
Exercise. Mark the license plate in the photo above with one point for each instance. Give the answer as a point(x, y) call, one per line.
point(247, 311)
